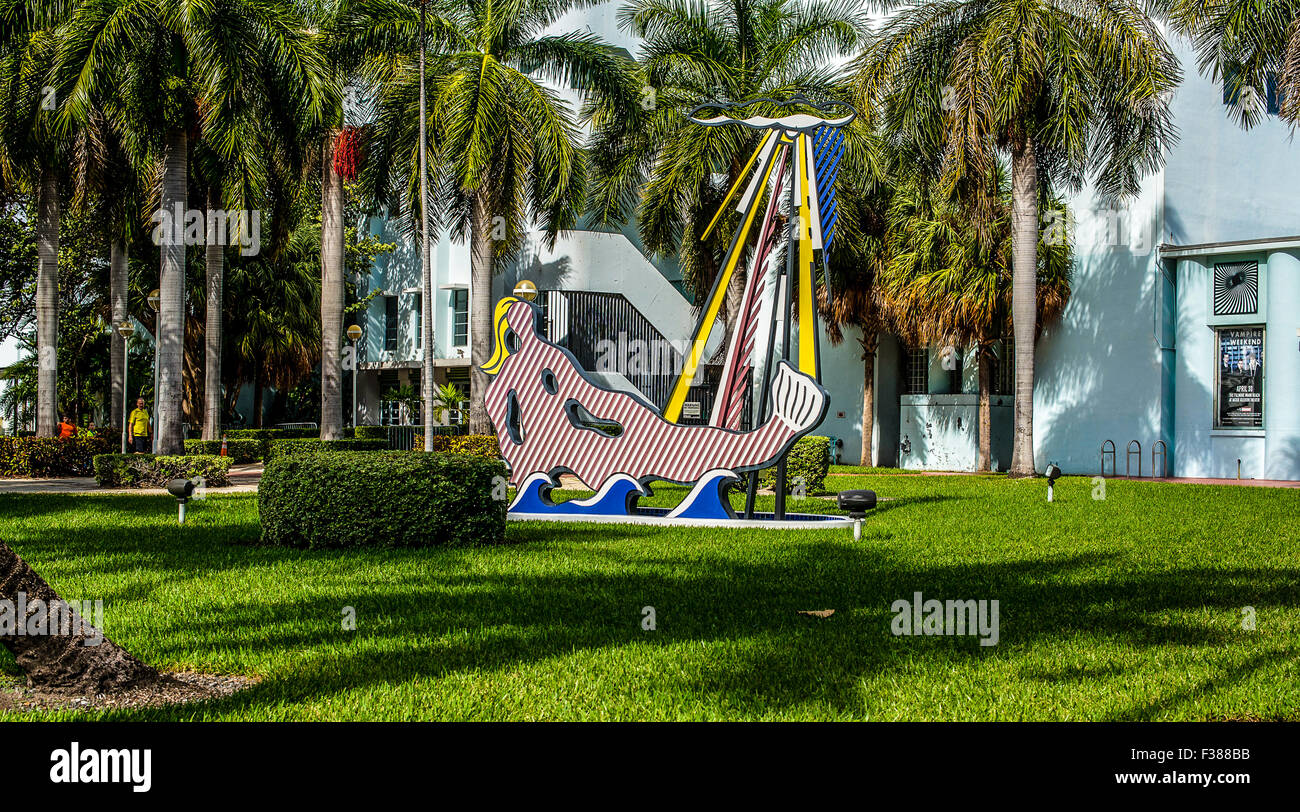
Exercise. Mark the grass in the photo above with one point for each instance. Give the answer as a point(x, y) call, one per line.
point(1124, 608)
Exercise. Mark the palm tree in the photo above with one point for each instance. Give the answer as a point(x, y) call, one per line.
point(949, 277)
point(1249, 44)
point(32, 154)
point(852, 296)
point(181, 73)
point(348, 32)
point(645, 154)
point(1068, 90)
point(107, 184)
point(504, 147)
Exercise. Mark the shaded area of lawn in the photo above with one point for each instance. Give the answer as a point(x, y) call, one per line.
point(1124, 608)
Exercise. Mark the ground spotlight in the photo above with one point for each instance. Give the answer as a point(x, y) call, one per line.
point(856, 504)
point(182, 489)
point(1053, 473)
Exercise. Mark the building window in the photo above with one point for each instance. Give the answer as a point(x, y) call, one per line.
point(390, 323)
point(1239, 381)
point(918, 371)
point(1236, 95)
point(1004, 379)
point(417, 320)
point(459, 317)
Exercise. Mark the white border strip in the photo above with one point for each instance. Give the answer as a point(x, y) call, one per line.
point(833, 523)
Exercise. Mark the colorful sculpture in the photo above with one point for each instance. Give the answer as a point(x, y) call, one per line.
point(552, 418)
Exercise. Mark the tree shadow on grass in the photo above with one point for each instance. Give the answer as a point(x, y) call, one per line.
point(764, 657)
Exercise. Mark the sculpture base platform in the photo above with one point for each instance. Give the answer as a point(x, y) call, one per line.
point(659, 517)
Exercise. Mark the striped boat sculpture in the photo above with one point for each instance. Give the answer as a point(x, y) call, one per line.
point(551, 419)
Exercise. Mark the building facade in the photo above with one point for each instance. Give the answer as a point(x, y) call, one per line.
point(1179, 350)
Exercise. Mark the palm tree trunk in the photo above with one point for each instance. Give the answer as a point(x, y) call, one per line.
point(480, 320)
point(171, 308)
point(214, 270)
point(870, 343)
point(331, 296)
point(983, 354)
point(1024, 300)
point(47, 305)
point(426, 266)
point(258, 395)
point(67, 662)
point(117, 256)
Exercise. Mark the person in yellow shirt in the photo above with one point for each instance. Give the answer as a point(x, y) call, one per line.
point(139, 428)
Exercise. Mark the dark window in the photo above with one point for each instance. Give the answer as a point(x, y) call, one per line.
point(390, 323)
point(460, 317)
point(418, 307)
point(918, 371)
point(1235, 94)
point(1004, 380)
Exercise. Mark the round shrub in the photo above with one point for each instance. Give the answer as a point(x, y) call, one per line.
point(382, 499)
point(809, 460)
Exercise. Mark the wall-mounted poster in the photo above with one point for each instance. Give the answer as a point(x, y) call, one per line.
point(1240, 378)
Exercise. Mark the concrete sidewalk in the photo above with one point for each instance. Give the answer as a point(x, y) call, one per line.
point(1182, 480)
point(243, 479)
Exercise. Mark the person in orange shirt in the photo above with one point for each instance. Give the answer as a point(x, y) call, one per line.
point(67, 428)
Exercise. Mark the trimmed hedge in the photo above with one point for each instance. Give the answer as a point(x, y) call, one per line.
point(370, 433)
point(272, 434)
point(281, 448)
point(382, 499)
point(809, 459)
point(145, 470)
point(241, 451)
point(480, 445)
point(25, 457)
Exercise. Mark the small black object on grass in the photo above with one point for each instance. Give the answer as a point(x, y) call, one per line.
point(182, 489)
point(856, 504)
point(1053, 473)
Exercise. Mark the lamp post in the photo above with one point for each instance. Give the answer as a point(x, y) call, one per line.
point(354, 333)
point(155, 300)
point(126, 329)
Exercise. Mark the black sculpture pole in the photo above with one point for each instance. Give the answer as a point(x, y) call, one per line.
point(791, 246)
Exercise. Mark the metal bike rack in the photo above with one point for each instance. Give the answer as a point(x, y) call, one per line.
point(1128, 457)
point(1111, 452)
point(1161, 450)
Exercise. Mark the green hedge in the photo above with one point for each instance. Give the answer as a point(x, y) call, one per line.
point(281, 448)
point(481, 445)
point(144, 470)
point(382, 499)
point(26, 457)
point(810, 458)
point(241, 451)
point(371, 432)
point(271, 434)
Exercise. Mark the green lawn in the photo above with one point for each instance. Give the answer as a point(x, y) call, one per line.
point(1127, 608)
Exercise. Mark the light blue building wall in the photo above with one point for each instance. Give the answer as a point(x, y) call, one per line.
point(1133, 357)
